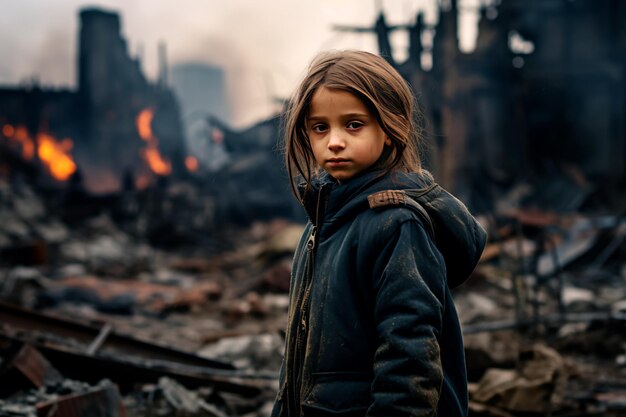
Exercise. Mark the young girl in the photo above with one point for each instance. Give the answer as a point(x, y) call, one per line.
point(372, 327)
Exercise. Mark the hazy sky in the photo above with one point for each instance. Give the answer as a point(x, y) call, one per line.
point(263, 46)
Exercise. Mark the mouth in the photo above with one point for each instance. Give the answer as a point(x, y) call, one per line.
point(337, 161)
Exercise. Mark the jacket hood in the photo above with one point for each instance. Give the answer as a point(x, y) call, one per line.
point(458, 236)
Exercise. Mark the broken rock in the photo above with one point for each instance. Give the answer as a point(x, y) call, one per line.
point(533, 388)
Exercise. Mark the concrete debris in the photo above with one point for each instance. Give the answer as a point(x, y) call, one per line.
point(573, 295)
point(249, 352)
point(103, 400)
point(66, 399)
point(230, 306)
point(532, 388)
point(174, 399)
point(159, 265)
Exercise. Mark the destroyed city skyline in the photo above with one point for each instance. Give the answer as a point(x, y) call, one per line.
point(494, 117)
point(262, 58)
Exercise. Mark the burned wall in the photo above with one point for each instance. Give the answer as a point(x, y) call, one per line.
point(559, 104)
point(96, 128)
point(37, 109)
point(37, 131)
point(114, 91)
point(573, 83)
point(506, 113)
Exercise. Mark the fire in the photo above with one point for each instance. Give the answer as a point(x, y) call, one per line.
point(144, 124)
point(151, 154)
point(54, 154)
point(8, 130)
point(20, 135)
point(191, 163)
point(157, 164)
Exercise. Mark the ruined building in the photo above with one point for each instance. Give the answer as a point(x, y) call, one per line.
point(541, 100)
point(116, 126)
point(543, 95)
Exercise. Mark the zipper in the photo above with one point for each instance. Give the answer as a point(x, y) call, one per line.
point(302, 305)
point(307, 291)
point(294, 374)
point(311, 253)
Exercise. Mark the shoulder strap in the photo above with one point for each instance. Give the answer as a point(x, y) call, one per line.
point(401, 198)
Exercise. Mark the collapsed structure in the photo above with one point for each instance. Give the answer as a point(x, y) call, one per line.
point(116, 124)
point(543, 95)
point(541, 100)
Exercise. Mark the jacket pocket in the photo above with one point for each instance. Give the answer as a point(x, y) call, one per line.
point(338, 394)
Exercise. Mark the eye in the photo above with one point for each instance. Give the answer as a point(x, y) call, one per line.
point(319, 128)
point(354, 124)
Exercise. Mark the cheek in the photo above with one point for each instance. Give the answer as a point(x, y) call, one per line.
point(378, 148)
point(371, 152)
point(317, 150)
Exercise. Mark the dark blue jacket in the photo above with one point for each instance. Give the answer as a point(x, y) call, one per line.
point(372, 326)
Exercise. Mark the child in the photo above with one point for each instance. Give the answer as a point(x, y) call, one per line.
point(372, 328)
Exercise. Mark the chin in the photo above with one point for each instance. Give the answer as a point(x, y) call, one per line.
point(341, 176)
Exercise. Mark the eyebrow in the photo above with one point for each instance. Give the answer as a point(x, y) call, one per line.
point(345, 116)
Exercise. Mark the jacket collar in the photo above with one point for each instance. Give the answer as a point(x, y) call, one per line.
point(330, 205)
point(314, 197)
point(328, 201)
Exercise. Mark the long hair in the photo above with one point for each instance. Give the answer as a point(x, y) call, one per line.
point(381, 88)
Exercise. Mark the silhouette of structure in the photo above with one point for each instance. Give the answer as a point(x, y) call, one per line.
point(542, 95)
point(100, 117)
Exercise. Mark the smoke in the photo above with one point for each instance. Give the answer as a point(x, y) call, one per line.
point(239, 68)
point(5, 74)
point(263, 47)
point(52, 56)
point(254, 43)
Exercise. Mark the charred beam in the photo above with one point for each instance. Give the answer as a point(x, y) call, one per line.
point(28, 320)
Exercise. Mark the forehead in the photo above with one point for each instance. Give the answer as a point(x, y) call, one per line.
point(326, 101)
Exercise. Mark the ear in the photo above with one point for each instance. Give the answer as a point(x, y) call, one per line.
point(387, 141)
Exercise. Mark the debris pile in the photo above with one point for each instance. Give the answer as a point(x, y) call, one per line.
point(544, 316)
point(100, 314)
point(136, 306)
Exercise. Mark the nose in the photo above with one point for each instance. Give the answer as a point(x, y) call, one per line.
point(336, 142)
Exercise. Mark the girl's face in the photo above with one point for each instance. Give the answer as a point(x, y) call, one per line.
point(345, 137)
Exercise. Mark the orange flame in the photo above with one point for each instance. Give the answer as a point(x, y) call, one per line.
point(191, 163)
point(144, 124)
point(151, 154)
point(8, 130)
point(20, 135)
point(54, 155)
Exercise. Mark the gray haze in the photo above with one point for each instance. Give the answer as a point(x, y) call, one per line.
point(263, 46)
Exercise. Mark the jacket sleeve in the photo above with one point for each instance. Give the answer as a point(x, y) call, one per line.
point(409, 292)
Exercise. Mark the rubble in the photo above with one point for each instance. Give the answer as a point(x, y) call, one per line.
point(179, 327)
point(532, 388)
point(248, 352)
point(104, 271)
point(183, 328)
point(66, 399)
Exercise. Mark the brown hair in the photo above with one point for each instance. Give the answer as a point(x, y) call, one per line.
point(381, 88)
